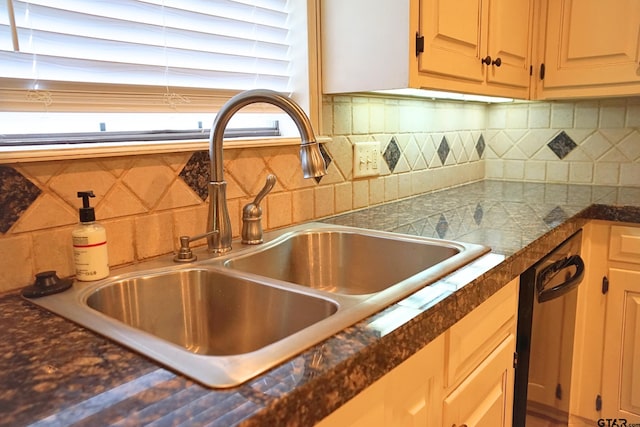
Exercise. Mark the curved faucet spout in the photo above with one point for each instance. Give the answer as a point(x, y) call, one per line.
point(310, 156)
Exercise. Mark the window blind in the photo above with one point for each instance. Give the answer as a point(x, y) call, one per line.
point(140, 55)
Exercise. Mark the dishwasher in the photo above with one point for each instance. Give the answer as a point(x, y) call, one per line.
point(545, 335)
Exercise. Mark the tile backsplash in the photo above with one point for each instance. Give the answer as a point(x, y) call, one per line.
point(146, 202)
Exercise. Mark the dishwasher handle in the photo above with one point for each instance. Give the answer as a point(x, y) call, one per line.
point(571, 282)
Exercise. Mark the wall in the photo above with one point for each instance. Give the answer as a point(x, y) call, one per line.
point(595, 142)
point(146, 202)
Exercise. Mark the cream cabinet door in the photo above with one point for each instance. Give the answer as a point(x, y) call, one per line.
point(485, 397)
point(409, 395)
point(621, 367)
point(481, 41)
point(454, 38)
point(509, 38)
point(591, 43)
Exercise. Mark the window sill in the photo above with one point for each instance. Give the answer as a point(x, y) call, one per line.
point(83, 151)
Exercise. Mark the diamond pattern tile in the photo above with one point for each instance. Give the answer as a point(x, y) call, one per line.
point(480, 146)
point(442, 227)
point(17, 193)
point(443, 149)
point(392, 154)
point(478, 214)
point(555, 217)
point(562, 144)
point(196, 173)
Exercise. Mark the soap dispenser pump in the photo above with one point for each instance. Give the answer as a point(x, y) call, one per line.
point(89, 243)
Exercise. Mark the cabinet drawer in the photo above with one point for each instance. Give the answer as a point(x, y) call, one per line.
point(477, 334)
point(624, 244)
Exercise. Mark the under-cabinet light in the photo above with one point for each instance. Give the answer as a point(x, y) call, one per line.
point(435, 94)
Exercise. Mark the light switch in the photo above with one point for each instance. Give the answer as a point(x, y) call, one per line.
point(366, 159)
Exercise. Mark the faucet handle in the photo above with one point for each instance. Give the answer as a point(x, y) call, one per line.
point(252, 215)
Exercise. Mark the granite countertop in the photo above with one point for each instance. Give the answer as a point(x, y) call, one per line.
point(54, 372)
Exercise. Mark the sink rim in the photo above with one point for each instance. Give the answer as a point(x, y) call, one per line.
point(232, 370)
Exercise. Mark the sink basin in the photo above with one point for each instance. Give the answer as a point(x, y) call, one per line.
point(344, 261)
point(207, 312)
point(224, 320)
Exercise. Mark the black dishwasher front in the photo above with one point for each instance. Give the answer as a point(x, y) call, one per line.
point(546, 325)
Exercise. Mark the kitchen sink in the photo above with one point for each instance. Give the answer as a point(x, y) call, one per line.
point(207, 312)
point(223, 320)
point(345, 261)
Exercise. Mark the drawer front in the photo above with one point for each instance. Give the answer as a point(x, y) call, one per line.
point(477, 334)
point(624, 244)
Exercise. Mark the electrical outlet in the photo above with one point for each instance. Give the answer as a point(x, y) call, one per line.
point(366, 159)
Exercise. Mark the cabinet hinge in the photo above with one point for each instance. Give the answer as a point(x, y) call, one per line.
point(542, 70)
point(515, 360)
point(559, 392)
point(419, 44)
point(598, 403)
point(605, 285)
point(531, 70)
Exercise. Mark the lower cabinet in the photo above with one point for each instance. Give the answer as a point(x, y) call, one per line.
point(462, 378)
point(485, 397)
point(410, 395)
point(607, 371)
point(621, 356)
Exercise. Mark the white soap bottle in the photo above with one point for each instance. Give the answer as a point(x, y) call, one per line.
point(89, 244)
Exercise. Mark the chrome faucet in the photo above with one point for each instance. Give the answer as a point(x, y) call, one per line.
point(218, 223)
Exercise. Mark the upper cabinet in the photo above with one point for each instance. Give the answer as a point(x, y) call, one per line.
point(468, 46)
point(478, 46)
point(592, 48)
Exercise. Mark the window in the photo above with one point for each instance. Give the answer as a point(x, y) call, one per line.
point(145, 65)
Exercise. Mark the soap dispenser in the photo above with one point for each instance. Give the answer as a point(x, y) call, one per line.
point(89, 243)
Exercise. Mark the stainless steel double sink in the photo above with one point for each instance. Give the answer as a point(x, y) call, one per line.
point(224, 320)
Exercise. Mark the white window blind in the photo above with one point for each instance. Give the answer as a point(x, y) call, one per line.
point(140, 56)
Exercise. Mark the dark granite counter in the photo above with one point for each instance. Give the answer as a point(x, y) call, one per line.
point(54, 372)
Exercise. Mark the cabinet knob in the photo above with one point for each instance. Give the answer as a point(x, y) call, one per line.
point(497, 62)
point(461, 425)
point(486, 60)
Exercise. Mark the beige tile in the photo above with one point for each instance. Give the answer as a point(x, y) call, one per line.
point(16, 269)
point(153, 235)
point(46, 212)
point(285, 165)
point(360, 117)
point(360, 193)
point(344, 197)
point(342, 119)
point(376, 190)
point(420, 182)
point(248, 169)
point(118, 203)
point(514, 169)
point(179, 195)
point(40, 172)
point(303, 207)
point(176, 161)
point(581, 172)
point(557, 171)
point(120, 241)
point(82, 175)
point(53, 250)
point(534, 170)
point(630, 174)
point(606, 173)
point(324, 199)
point(341, 151)
point(117, 165)
point(190, 221)
point(405, 185)
point(149, 179)
point(390, 188)
point(280, 210)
